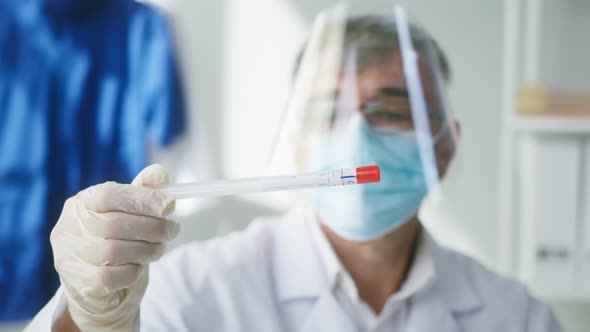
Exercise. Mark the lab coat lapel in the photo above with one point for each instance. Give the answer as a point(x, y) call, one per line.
point(299, 276)
point(296, 269)
point(439, 307)
point(429, 313)
point(327, 315)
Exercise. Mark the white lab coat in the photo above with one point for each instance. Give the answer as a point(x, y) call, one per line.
point(268, 278)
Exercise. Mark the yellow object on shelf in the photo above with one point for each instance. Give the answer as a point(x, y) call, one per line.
point(539, 100)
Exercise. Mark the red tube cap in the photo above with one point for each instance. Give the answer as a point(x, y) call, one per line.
point(368, 174)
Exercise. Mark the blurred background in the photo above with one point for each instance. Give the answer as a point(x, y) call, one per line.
point(517, 197)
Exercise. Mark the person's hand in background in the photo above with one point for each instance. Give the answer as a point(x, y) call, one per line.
point(102, 244)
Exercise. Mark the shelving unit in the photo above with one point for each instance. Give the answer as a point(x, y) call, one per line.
point(517, 249)
point(549, 124)
point(561, 296)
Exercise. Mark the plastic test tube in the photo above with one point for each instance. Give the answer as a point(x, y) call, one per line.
point(338, 177)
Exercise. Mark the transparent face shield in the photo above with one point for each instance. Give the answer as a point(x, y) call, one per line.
point(369, 89)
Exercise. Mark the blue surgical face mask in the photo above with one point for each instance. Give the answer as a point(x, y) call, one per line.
point(364, 212)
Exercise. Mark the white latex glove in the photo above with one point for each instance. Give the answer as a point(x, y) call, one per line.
point(102, 245)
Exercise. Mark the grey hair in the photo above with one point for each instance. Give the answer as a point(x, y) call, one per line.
point(375, 36)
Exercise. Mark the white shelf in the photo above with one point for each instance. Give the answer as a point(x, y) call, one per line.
point(553, 124)
point(561, 296)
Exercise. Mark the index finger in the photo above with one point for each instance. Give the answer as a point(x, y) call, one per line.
point(111, 196)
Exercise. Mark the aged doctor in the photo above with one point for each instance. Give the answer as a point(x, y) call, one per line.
point(369, 89)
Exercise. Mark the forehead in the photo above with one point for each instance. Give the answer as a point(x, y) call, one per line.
point(388, 72)
point(384, 72)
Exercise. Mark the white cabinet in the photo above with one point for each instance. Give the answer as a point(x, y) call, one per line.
point(549, 188)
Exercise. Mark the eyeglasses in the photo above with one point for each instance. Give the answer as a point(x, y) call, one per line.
point(397, 115)
point(385, 114)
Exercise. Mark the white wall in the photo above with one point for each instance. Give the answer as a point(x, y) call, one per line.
point(565, 44)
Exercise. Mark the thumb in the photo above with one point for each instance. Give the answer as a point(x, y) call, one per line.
point(152, 176)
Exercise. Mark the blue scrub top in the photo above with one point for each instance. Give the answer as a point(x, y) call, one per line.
point(85, 86)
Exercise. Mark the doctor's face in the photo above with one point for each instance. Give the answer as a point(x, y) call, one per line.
point(381, 96)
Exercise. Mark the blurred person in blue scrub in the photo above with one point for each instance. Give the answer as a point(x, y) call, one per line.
point(86, 86)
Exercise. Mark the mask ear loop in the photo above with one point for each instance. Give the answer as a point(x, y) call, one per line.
point(441, 132)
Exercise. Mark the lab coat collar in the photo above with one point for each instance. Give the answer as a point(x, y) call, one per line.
point(299, 273)
point(328, 315)
point(453, 285)
point(297, 270)
point(420, 276)
point(440, 307)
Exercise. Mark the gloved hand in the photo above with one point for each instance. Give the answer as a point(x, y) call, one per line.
point(102, 245)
